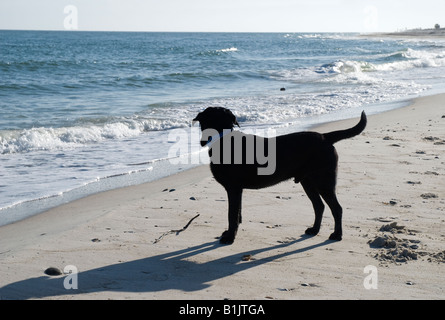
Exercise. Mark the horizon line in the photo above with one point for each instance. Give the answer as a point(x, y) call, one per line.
point(172, 31)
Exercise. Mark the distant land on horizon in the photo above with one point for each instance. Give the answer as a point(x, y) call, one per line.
point(432, 32)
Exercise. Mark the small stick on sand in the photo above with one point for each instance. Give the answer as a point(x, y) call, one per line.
point(176, 231)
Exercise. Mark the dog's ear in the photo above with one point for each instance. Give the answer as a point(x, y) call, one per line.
point(197, 118)
point(232, 117)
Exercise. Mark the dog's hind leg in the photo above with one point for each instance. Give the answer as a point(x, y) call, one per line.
point(337, 212)
point(317, 203)
point(235, 197)
point(325, 182)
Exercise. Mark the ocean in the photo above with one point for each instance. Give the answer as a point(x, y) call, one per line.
point(84, 112)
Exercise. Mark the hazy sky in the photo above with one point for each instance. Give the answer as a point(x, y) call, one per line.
point(222, 15)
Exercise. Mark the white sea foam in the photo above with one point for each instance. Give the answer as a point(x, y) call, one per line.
point(35, 139)
point(414, 59)
point(401, 60)
point(232, 49)
point(322, 36)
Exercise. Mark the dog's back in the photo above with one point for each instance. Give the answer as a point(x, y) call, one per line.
point(256, 162)
point(248, 153)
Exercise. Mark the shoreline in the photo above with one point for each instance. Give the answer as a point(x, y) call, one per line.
point(110, 236)
point(160, 168)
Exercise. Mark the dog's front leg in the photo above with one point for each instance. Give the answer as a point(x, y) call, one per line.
point(235, 196)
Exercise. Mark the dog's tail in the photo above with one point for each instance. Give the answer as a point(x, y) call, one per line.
point(335, 136)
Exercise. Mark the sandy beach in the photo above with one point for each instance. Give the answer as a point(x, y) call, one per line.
point(137, 242)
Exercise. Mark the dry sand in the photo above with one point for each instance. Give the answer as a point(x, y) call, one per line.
point(128, 243)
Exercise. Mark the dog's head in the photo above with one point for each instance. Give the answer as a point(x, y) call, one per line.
point(216, 118)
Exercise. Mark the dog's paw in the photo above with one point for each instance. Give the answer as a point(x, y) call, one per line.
point(312, 231)
point(227, 238)
point(335, 236)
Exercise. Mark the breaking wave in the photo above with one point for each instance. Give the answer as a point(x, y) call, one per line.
point(40, 139)
point(401, 60)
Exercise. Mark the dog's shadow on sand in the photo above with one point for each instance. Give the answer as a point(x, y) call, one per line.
point(174, 270)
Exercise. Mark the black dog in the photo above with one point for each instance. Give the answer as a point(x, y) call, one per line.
point(239, 161)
